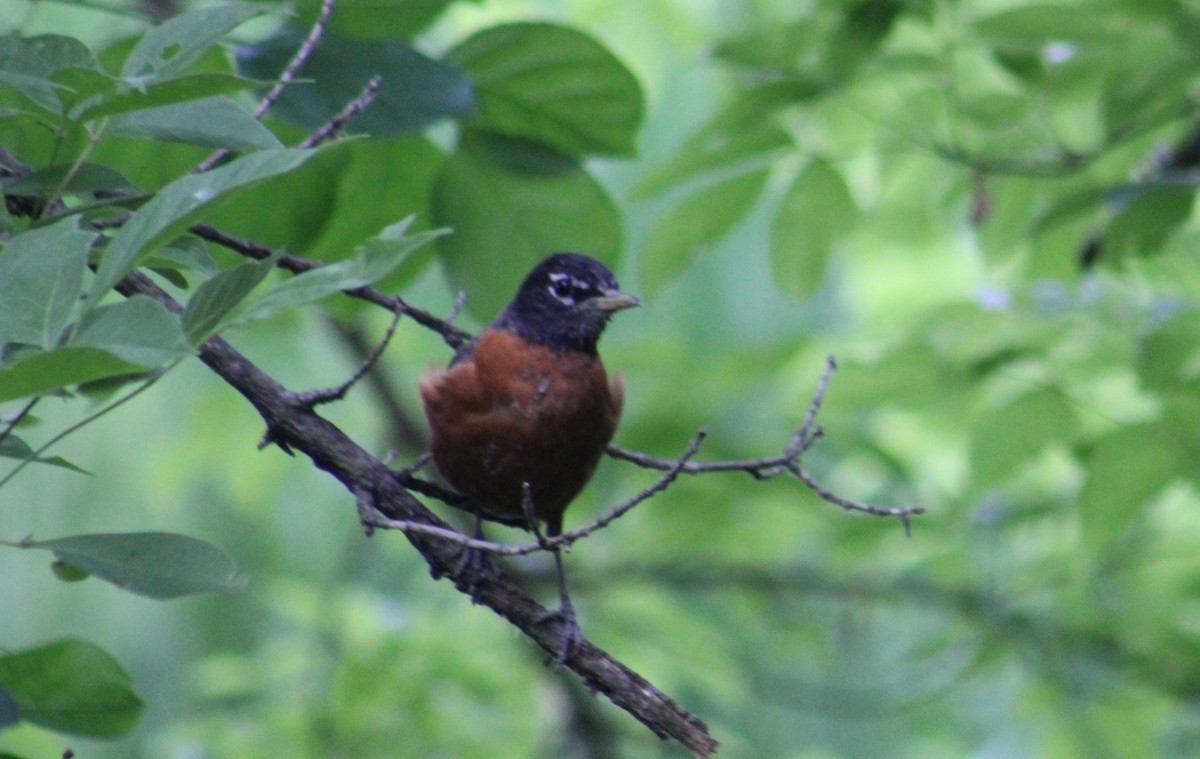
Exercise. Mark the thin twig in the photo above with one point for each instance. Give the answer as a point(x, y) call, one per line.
point(18, 418)
point(314, 398)
point(904, 514)
point(352, 109)
point(788, 461)
point(547, 543)
point(453, 336)
point(303, 53)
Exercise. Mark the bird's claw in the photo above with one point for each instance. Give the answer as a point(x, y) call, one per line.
point(570, 636)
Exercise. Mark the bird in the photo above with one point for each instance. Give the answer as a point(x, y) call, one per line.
point(524, 411)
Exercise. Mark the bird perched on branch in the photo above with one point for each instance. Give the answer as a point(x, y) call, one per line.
point(526, 409)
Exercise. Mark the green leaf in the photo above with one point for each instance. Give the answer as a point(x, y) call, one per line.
point(814, 216)
point(156, 564)
point(1168, 359)
point(185, 253)
point(215, 303)
point(1031, 27)
point(87, 178)
point(41, 278)
point(554, 85)
point(372, 261)
point(714, 149)
point(40, 372)
point(216, 122)
point(71, 687)
point(1150, 213)
point(177, 205)
point(699, 221)
point(28, 63)
point(1012, 435)
point(376, 19)
point(178, 90)
point(510, 205)
point(140, 330)
point(1125, 470)
point(170, 48)
point(415, 92)
point(68, 573)
point(13, 447)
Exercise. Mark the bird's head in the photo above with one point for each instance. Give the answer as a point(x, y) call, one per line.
point(565, 303)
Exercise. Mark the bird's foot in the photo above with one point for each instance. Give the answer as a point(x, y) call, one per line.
point(472, 567)
point(570, 635)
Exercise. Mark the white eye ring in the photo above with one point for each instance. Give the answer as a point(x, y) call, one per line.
point(564, 288)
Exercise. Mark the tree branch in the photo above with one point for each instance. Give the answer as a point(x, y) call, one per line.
point(788, 461)
point(302, 54)
point(543, 543)
point(295, 425)
point(453, 336)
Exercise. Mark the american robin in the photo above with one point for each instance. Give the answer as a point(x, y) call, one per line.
point(528, 404)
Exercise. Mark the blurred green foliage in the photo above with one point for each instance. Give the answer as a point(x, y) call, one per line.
point(985, 209)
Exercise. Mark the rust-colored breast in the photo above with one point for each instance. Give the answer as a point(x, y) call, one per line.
point(519, 413)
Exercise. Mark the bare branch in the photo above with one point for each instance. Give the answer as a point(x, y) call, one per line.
point(330, 128)
point(788, 461)
point(329, 395)
point(303, 53)
point(453, 336)
point(544, 543)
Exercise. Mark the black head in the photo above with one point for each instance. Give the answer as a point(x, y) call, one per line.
point(565, 303)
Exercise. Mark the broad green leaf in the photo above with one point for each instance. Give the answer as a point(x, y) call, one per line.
point(1033, 26)
point(178, 90)
point(317, 210)
point(511, 205)
point(13, 447)
point(1142, 226)
point(777, 47)
point(1181, 424)
point(140, 330)
point(156, 564)
point(860, 31)
point(211, 122)
point(371, 261)
point(39, 372)
point(416, 91)
point(216, 302)
point(71, 687)
point(814, 216)
point(1125, 470)
point(86, 178)
point(1012, 435)
point(29, 63)
point(553, 85)
point(185, 253)
point(1168, 359)
point(376, 19)
point(176, 206)
point(697, 223)
point(712, 149)
point(40, 91)
point(41, 278)
point(170, 48)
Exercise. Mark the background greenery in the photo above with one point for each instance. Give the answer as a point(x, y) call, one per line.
point(983, 208)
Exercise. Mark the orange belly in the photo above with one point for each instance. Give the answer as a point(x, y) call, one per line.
point(517, 414)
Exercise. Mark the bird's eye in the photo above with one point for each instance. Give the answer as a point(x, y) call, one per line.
point(566, 289)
